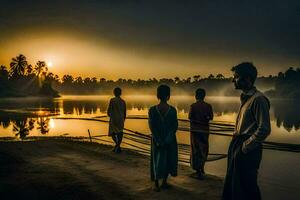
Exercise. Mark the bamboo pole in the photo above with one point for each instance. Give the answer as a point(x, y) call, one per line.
point(90, 135)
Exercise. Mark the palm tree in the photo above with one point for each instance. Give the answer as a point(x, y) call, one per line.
point(29, 69)
point(40, 67)
point(87, 81)
point(188, 80)
point(94, 80)
point(3, 73)
point(210, 77)
point(22, 128)
point(18, 65)
point(102, 80)
point(196, 78)
point(4, 122)
point(43, 125)
point(280, 75)
point(67, 79)
point(220, 76)
point(78, 80)
point(3, 67)
point(177, 80)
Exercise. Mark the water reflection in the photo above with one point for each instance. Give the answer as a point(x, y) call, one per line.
point(287, 114)
point(25, 114)
point(4, 121)
point(21, 127)
point(79, 108)
point(27, 105)
point(43, 125)
point(24, 117)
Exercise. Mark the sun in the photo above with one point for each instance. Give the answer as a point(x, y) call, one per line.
point(49, 64)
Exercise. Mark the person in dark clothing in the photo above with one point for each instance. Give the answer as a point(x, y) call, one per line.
point(251, 129)
point(164, 151)
point(200, 114)
point(117, 115)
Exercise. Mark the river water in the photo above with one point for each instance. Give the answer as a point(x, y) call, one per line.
point(279, 176)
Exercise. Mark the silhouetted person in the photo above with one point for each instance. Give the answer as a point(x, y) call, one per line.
point(200, 114)
point(164, 152)
point(117, 114)
point(251, 129)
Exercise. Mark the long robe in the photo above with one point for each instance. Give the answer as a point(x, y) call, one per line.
point(241, 178)
point(245, 150)
point(200, 114)
point(164, 150)
point(117, 114)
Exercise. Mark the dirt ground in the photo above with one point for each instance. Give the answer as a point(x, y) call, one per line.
point(64, 169)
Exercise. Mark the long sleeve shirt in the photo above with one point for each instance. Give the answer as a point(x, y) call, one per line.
point(253, 119)
point(200, 114)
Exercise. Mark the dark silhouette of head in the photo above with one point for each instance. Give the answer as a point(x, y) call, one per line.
point(163, 92)
point(200, 94)
point(244, 75)
point(117, 92)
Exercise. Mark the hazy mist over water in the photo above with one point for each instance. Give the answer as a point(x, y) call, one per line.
point(283, 112)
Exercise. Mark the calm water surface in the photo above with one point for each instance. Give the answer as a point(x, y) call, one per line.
point(279, 174)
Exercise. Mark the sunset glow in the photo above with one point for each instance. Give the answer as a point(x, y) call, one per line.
point(107, 99)
point(49, 64)
point(90, 45)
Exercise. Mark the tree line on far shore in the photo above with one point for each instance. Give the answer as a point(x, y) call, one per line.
point(23, 79)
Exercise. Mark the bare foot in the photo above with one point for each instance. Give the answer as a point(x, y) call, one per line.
point(155, 186)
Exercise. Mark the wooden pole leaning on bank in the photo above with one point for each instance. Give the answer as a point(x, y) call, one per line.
point(90, 135)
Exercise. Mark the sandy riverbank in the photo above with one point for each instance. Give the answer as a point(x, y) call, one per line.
point(65, 169)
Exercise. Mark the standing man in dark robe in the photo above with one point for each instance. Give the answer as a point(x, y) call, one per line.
point(200, 114)
point(117, 115)
point(251, 129)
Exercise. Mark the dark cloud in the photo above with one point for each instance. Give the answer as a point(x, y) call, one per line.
point(236, 28)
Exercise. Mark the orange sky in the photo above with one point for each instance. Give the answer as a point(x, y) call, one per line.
point(126, 39)
point(80, 56)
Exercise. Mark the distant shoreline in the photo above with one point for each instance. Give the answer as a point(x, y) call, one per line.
point(25, 96)
point(131, 95)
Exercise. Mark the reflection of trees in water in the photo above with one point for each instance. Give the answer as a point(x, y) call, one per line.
point(218, 107)
point(50, 105)
point(21, 112)
point(225, 108)
point(23, 123)
point(22, 127)
point(287, 114)
point(137, 105)
point(43, 125)
point(30, 104)
point(88, 107)
point(80, 107)
point(4, 121)
point(68, 107)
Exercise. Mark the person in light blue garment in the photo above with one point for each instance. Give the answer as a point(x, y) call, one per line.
point(164, 151)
